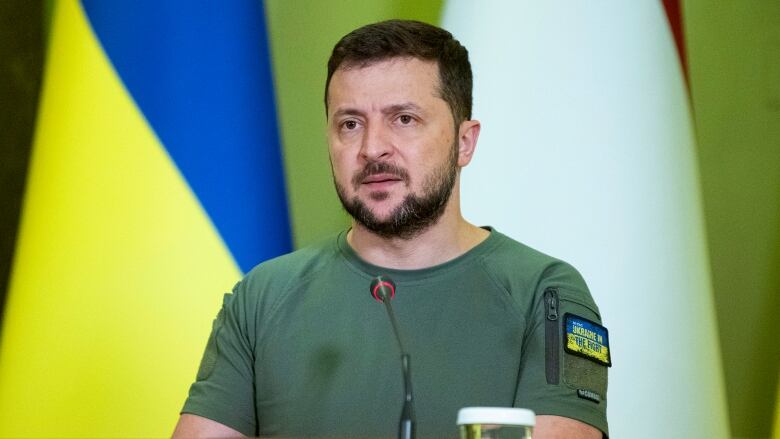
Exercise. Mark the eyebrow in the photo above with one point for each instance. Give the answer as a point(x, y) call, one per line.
point(390, 109)
point(406, 106)
point(347, 112)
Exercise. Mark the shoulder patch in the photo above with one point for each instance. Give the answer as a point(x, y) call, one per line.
point(586, 339)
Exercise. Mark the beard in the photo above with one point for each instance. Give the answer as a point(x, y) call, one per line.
point(416, 212)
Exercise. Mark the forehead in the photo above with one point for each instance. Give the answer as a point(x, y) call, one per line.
point(394, 79)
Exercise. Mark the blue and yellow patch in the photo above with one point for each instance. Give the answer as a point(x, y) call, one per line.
point(586, 339)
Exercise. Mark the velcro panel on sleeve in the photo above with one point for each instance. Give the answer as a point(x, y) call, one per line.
point(585, 351)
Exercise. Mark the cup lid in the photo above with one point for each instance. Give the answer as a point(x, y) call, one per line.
point(496, 415)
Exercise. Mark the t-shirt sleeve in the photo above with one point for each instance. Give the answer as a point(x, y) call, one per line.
point(224, 389)
point(566, 353)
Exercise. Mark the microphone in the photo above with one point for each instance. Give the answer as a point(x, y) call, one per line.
point(383, 290)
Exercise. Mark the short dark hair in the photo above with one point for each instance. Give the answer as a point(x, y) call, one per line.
point(408, 38)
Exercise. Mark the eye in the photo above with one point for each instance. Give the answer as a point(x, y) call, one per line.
point(405, 119)
point(349, 124)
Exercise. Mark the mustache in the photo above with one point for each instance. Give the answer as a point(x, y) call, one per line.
point(374, 168)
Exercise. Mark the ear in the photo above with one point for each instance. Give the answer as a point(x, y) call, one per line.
point(468, 133)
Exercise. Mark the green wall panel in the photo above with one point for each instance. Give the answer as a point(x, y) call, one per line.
point(22, 41)
point(734, 56)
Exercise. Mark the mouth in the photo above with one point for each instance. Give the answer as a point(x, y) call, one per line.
point(377, 179)
point(380, 177)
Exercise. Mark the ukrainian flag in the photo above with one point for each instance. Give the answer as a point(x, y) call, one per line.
point(156, 181)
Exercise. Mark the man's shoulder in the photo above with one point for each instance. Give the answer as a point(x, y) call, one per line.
point(299, 262)
point(276, 275)
point(508, 247)
point(519, 257)
point(518, 265)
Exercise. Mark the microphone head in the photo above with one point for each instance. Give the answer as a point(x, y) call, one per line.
point(382, 288)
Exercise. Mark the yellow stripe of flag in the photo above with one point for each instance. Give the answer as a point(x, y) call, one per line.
point(118, 270)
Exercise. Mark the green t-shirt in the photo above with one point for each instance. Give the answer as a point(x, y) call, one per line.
point(301, 348)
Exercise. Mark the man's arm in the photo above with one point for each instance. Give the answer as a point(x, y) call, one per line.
point(555, 380)
point(547, 427)
point(193, 426)
point(558, 427)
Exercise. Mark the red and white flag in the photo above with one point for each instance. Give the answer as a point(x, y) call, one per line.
point(587, 153)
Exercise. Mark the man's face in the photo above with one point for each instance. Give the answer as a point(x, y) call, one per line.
point(393, 145)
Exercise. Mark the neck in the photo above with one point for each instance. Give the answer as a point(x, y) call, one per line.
point(450, 237)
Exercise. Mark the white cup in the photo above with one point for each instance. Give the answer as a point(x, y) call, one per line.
point(495, 423)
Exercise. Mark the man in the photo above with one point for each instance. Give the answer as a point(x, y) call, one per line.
point(301, 349)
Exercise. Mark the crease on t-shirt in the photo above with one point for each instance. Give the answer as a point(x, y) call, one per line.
point(269, 316)
point(507, 296)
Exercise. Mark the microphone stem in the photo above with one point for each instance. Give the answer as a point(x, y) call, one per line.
point(406, 428)
point(406, 424)
point(394, 324)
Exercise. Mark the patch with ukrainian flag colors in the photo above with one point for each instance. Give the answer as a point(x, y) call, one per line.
point(586, 339)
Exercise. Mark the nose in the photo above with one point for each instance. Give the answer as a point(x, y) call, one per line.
point(377, 144)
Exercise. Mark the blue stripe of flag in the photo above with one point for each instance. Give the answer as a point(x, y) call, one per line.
point(200, 72)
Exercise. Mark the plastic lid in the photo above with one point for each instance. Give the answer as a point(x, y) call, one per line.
point(496, 415)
